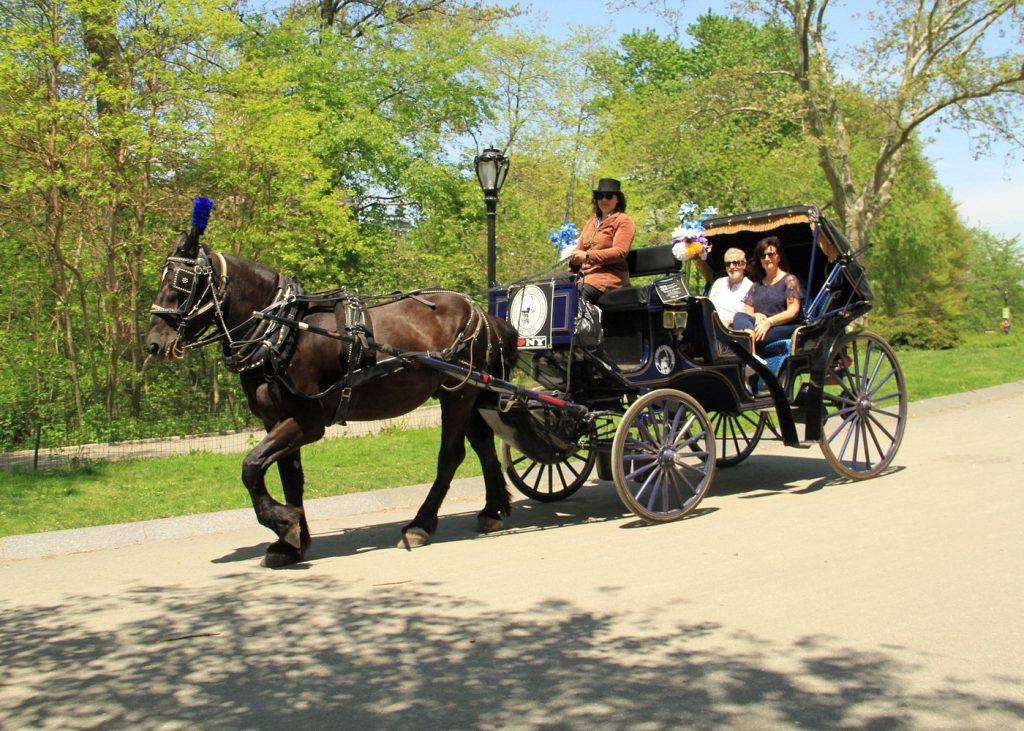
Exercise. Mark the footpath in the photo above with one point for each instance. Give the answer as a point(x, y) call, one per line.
point(240, 441)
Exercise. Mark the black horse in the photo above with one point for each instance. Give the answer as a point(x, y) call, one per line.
point(205, 296)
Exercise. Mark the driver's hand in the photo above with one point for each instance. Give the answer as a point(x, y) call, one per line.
point(577, 257)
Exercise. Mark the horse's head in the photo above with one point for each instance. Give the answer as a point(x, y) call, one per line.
point(190, 291)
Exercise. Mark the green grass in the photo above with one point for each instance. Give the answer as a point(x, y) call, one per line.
point(117, 492)
point(101, 493)
point(986, 359)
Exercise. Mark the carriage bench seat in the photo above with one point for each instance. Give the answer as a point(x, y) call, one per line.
point(719, 333)
point(641, 262)
point(626, 298)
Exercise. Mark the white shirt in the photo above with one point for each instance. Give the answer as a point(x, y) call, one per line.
point(728, 298)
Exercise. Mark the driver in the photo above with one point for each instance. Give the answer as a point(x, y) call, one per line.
point(600, 253)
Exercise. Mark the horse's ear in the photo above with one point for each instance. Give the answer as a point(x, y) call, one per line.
point(186, 246)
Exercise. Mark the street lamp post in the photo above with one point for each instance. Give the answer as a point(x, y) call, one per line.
point(491, 168)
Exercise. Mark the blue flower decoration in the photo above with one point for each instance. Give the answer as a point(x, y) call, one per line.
point(688, 210)
point(564, 235)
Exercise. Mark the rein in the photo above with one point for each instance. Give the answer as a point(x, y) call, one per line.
point(272, 332)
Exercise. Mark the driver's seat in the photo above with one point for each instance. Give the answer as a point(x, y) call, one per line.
point(641, 262)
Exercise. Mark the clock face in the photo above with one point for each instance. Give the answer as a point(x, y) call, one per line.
point(528, 310)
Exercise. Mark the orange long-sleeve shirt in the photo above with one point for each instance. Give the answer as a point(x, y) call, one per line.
point(606, 243)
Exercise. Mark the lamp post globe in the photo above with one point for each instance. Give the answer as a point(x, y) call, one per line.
point(491, 167)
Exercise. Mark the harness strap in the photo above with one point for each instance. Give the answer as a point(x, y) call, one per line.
point(269, 345)
point(353, 320)
point(357, 378)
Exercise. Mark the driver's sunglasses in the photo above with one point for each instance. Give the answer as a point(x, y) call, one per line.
point(603, 196)
point(770, 255)
point(739, 263)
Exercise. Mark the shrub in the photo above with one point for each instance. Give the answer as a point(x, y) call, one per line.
point(917, 332)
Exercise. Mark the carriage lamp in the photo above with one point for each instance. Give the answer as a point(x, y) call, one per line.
point(491, 168)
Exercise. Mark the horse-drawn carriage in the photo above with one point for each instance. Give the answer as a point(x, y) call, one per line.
point(656, 395)
point(669, 388)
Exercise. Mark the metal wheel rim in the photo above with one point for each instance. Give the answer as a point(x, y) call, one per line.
point(663, 456)
point(548, 482)
point(865, 406)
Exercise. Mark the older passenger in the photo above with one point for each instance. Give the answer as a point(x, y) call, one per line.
point(727, 292)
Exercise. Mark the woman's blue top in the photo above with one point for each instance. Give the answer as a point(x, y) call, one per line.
point(770, 299)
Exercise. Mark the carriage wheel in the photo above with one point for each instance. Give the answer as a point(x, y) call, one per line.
point(663, 456)
point(548, 483)
point(736, 435)
point(865, 406)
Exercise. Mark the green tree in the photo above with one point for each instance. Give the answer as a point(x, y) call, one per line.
point(692, 122)
point(997, 279)
point(926, 61)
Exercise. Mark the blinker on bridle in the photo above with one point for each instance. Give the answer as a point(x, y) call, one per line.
point(194, 278)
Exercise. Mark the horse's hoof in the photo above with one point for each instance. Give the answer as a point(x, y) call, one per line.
point(487, 524)
point(413, 538)
point(279, 555)
point(293, 537)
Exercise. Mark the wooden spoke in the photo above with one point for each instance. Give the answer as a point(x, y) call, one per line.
point(857, 444)
point(548, 482)
point(670, 435)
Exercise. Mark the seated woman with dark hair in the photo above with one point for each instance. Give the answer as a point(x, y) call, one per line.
point(772, 305)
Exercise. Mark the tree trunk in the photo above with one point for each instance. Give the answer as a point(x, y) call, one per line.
point(55, 219)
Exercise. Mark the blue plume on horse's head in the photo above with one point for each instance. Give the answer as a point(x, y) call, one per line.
point(201, 208)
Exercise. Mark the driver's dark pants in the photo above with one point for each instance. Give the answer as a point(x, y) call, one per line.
point(591, 293)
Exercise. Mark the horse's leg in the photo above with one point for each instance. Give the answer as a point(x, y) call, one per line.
point(285, 520)
point(456, 408)
point(292, 481)
point(481, 438)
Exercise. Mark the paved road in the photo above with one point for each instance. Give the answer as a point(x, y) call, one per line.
point(790, 600)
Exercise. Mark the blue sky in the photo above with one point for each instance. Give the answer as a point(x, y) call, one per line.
point(989, 190)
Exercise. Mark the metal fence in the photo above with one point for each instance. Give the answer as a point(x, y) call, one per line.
point(221, 443)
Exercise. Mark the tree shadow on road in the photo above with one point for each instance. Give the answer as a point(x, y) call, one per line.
point(312, 651)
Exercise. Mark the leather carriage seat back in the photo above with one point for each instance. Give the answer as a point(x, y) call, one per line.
point(652, 260)
point(643, 261)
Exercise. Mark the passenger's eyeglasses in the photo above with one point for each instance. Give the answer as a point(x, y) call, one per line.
point(735, 263)
point(770, 255)
point(603, 196)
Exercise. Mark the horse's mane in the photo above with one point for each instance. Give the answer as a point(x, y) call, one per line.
point(261, 270)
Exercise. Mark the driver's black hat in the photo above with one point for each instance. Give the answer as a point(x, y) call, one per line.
point(611, 185)
point(608, 185)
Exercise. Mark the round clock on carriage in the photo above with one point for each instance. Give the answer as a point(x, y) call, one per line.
point(528, 310)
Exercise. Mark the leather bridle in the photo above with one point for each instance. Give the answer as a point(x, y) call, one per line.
point(202, 289)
